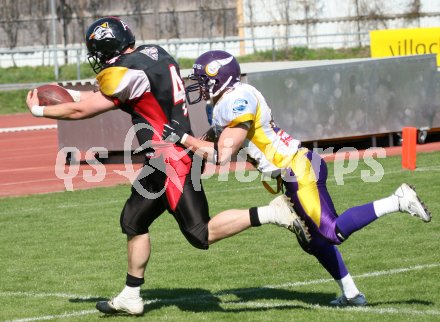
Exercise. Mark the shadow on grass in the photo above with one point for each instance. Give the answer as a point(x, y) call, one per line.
point(408, 302)
point(238, 300)
point(233, 300)
point(87, 300)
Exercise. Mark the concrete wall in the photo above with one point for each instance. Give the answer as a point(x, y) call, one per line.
point(352, 98)
point(312, 100)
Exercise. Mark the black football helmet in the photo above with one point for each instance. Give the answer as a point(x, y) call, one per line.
point(107, 38)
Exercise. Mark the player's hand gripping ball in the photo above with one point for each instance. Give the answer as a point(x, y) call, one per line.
point(53, 95)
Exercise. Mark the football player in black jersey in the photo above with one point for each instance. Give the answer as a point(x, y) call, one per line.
point(145, 82)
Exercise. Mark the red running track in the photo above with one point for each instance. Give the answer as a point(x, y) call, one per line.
point(28, 165)
point(28, 161)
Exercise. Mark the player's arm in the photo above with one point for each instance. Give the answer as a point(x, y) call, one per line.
point(92, 104)
point(209, 135)
point(79, 95)
point(229, 143)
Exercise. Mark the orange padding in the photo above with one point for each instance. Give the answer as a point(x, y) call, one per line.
point(409, 141)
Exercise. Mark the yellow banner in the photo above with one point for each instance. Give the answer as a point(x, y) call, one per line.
point(404, 42)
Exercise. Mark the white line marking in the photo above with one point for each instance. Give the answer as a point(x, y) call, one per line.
point(28, 128)
point(26, 169)
point(249, 304)
point(371, 274)
point(365, 309)
point(52, 317)
point(59, 295)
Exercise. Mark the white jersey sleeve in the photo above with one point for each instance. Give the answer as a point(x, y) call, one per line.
point(236, 107)
point(122, 84)
point(269, 146)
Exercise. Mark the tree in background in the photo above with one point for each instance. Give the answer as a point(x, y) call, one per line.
point(9, 15)
point(173, 29)
point(64, 15)
point(414, 8)
point(42, 24)
point(137, 8)
point(251, 11)
point(371, 15)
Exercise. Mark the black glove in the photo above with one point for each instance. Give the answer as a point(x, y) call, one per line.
point(173, 132)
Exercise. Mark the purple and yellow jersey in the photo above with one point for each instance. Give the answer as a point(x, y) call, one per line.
point(303, 172)
point(270, 147)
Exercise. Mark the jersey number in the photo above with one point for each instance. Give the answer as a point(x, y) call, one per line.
point(178, 87)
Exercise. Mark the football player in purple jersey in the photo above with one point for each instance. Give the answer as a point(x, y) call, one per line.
point(243, 119)
point(145, 82)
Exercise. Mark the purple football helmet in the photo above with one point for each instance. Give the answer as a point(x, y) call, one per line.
point(213, 71)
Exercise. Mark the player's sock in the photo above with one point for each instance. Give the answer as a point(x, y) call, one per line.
point(386, 205)
point(132, 286)
point(253, 215)
point(265, 214)
point(348, 287)
point(354, 219)
point(262, 215)
point(130, 292)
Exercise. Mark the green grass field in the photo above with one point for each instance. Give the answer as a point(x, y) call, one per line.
point(62, 252)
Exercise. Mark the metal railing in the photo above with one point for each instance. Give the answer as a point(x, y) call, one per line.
point(182, 48)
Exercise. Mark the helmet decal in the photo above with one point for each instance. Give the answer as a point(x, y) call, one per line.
point(102, 31)
point(124, 24)
point(212, 68)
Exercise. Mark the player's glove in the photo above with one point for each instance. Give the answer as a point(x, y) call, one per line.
point(173, 133)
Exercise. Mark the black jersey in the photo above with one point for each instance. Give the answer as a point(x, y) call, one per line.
point(146, 83)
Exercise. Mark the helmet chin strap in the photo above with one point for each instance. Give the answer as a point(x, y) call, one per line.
point(212, 83)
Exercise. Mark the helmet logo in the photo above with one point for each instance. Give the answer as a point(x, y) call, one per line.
point(102, 31)
point(124, 25)
point(213, 67)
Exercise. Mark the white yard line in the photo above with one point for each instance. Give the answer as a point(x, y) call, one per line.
point(366, 275)
point(58, 295)
point(366, 309)
point(28, 128)
point(53, 317)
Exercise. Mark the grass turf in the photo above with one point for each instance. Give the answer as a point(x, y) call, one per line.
point(62, 252)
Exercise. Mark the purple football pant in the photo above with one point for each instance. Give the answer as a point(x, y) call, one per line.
point(306, 186)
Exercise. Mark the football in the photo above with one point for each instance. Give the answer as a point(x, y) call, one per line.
point(53, 95)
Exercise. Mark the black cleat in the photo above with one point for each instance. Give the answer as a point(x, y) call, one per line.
point(121, 305)
point(299, 228)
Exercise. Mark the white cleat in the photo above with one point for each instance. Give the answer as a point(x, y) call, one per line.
point(132, 306)
point(358, 300)
point(286, 217)
point(410, 203)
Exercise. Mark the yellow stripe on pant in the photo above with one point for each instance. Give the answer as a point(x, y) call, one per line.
point(308, 193)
